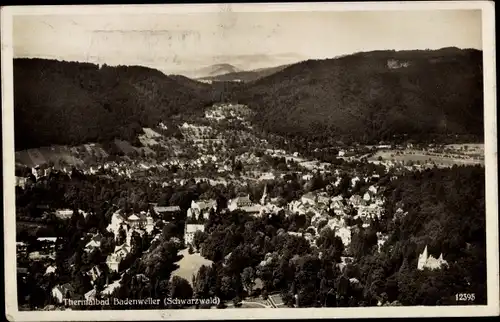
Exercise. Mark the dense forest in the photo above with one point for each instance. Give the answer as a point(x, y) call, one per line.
point(74, 103)
point(372, 96)
point(364, 97)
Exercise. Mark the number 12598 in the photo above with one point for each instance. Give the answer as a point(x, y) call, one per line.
point(465, 297)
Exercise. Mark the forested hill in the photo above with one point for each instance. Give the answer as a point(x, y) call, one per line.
point(373, 96)
point(71, 103)
point(364, 97)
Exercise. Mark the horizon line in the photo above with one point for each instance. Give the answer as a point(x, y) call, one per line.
point(59, 59)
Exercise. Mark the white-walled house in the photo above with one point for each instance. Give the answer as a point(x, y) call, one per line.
point(114, 259)
point(94, 273)
point(239, 202)
point(190, 230)
point(64, 213)
point(309, 198)
point(61, 292)
point(201, 207)
point(246, 205)
point(95, 242)
point(117, 221)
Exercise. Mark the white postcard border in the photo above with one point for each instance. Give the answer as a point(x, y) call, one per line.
point(490, 140)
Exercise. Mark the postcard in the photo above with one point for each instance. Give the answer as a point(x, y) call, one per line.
point(250, 161)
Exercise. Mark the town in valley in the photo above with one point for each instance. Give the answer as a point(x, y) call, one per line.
point(91, 220)
point(186, 162)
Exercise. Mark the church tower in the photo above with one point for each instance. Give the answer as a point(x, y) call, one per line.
point(263, 200)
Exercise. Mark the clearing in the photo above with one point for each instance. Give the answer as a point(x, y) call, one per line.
point(190, 264)
point(422, 157)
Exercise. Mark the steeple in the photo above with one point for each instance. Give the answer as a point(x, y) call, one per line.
point(422, 259)
point(424, 254)
point(264, 196)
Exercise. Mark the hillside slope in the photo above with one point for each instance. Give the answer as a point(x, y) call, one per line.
point(72, 103)
point(372, 96)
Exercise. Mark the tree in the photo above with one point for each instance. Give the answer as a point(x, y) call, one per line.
point(248, 278)
point(180, 288)
point(329, 243)
point(136, 242)
point(169, 231)
point(221, 202)
point(199, 238)
point(122, 236)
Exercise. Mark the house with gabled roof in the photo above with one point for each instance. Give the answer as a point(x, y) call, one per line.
point(117, 222)
point(95, 242)
point(239, 202)
point(61, 292)
point(136, 221)
point(309, 198)
point(50, 270)
point(202, 207)
point(114, 259)
point(90, 295)
point(190, 230)
point(368, 196)
point(94, 273)
point(64, 213)
point(356, 200)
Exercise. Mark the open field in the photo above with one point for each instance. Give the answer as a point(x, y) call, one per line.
point(190, 264)
point(56, 154)
point(34, 229)
point(471, 149)
point(421, 157)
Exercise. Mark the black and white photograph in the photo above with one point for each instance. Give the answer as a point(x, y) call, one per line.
point(269, 160)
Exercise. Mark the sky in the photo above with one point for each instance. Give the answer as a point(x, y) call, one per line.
point(183, 43)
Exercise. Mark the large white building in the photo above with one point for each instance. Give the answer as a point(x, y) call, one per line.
point(246, 205)
point(428, 261)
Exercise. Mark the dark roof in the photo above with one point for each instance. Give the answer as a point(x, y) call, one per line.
point(243, 200)
point(167, 209)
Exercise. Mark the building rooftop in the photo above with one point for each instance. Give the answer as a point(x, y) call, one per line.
point(191, 228)
point(167, 209)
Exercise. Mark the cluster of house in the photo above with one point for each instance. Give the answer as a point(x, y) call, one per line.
point(45, 250)
point(141, 223)
point(224, 111)
point(195, 131)
point(321, 205)
point(149, 137)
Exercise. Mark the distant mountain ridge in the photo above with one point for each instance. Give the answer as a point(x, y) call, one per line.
point(246, 76)
point(211, 71)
